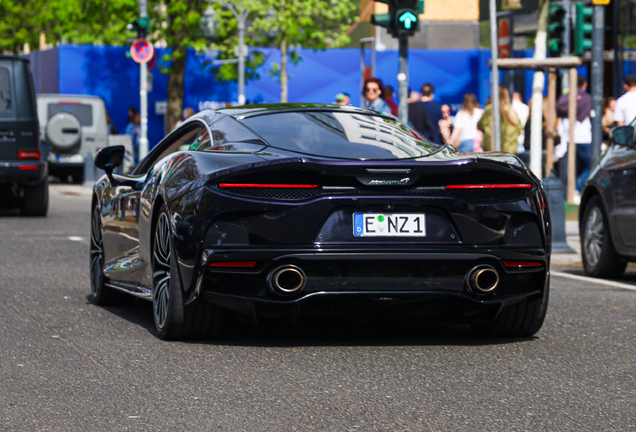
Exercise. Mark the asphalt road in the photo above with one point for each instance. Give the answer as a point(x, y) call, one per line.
point(66, 364)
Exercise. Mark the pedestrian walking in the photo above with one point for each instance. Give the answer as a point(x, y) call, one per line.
point(626, 105)
point(523, 112)
point(445, 125)
point(465, 126)
point(434, 109)
point(372, 92)
point(608, 121)
point(387, 95)
point(185, 114)
point(110, 126)
point(510, 127)
point(582, 132)
point(419, 119)
point(132, 129)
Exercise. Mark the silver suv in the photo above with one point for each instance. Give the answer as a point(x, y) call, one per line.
point(73, 126)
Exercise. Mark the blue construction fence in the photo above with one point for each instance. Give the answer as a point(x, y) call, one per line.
point(105, 71)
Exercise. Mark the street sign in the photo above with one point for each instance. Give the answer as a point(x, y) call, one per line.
point(142, 51)
point(600, 2)
point(152, 62)
point(504, 46)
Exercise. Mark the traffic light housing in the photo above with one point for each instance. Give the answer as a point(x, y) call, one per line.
point(141, 26)
point(582, 28)
point(556, 29)
point(402, 18)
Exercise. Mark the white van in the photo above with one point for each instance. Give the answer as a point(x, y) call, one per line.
point(73, 126)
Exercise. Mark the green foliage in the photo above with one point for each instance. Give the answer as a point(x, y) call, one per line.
point(69, 21)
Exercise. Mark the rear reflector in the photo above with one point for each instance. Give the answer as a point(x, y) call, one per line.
point(29, 154)
point(490, 186)
point(234, 264)
point(522, 264)
point(28, 167)
point(69, 102)
point(254, 185)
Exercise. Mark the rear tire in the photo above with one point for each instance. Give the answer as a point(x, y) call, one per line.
point(599, 257)
point(522, 319)
point(35, 201)
point(173, 319)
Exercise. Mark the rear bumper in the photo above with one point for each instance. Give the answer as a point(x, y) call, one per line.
point(431, 282)
point(23, 173)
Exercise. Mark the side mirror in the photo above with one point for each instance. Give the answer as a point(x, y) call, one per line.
point(110, 158)
point(623, 135)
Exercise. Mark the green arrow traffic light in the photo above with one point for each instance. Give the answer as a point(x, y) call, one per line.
point(407, 19)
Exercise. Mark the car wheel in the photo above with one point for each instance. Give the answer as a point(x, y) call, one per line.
point(597, 248)
point(173, 319)
point(522, 319)
point(35, 201)
point(102, 295)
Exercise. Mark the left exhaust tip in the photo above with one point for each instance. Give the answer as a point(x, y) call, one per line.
point(287, 280)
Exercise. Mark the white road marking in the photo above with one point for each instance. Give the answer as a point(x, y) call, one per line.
point(128, 237)
point(75, 238)
point(594, 280)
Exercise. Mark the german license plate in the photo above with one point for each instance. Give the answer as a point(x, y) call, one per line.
point(389, 225)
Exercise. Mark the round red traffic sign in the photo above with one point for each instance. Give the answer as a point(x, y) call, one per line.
point(152, 62)
point(142, 51)
point(503, 39)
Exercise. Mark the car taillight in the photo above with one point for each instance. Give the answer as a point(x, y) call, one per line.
point(258, 185)
point(29, 154)
point(522, 264)
point(234, 264)
point(490, 186)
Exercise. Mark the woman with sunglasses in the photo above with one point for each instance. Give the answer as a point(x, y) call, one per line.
point(371, 92)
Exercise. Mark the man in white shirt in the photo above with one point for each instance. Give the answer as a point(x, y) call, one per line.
point(523, 111)
point(626, 105)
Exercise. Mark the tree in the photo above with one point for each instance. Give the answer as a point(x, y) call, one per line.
point(178, 23)
point(71, 21)
point(316, 24)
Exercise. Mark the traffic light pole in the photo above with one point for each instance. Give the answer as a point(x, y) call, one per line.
point(403, 79)
point(143, 95)
point(598, 43)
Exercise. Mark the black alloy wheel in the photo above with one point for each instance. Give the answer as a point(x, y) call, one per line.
point(597, 248)
point(173, 319)
point(102, 295)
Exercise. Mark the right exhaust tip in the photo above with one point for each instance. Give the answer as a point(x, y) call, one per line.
point(483, 279)
point(287, 280)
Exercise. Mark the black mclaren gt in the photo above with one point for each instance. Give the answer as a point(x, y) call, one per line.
point(273, 211)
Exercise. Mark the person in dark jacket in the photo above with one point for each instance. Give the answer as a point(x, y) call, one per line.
point(434, 109)
point(420, 120)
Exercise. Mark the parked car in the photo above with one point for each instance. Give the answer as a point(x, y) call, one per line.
point(73, 126)
point(277, 210)
point(607, 213)
point(23, 173)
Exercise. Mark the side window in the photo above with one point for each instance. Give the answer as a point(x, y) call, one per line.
point(179, 141)
point(229, 130)
point(5, 91)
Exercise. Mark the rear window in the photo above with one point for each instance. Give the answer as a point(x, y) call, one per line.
point(5, 92)
point(340, 134)
point(83, 112)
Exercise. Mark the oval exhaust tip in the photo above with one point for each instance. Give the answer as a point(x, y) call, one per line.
point(287, 280)
point(483, 279)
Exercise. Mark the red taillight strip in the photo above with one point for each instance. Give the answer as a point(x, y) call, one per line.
point(521, 264)
point(490, 186)
point(254, 185)
point(234, 264)
point(29, 154)
point(28, 167)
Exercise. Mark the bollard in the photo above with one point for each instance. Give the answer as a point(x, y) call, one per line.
point(555, 190)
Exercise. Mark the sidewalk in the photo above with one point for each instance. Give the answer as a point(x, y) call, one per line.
point(70, 189)
point(571, 260)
